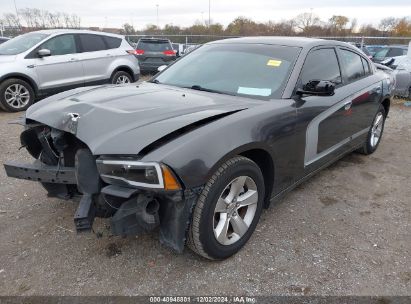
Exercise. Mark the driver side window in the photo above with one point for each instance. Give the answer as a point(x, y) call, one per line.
point(321, 64)
point(60, 45)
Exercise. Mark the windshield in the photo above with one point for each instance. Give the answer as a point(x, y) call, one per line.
point(21, 43)
point(252, 70)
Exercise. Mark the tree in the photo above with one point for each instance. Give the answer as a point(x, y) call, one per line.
point(128, 29)
point(306, 20)
point(242, 26)
point(388, 24)
point(403, 27)
point(338, 23)
point(282, 28)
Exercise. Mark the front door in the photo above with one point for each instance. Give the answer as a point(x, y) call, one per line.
point(322, 120)
point(62, 68)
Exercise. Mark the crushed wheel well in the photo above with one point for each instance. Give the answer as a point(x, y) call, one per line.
point(264, 161)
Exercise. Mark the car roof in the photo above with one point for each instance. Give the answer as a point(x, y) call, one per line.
point(71, 31)
point(153, 39)
point(285, 41)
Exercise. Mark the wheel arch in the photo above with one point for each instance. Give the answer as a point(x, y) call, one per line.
point(386, 103)
point(259, 154)
point(265, 162)
point(23, 77)
point(124, 68)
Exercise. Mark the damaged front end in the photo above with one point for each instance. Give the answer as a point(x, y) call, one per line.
point(137, 196)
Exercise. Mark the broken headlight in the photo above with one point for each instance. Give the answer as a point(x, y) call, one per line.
point(137, 174)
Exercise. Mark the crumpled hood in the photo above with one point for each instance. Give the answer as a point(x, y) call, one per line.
point(125, 119)
point(7, 58)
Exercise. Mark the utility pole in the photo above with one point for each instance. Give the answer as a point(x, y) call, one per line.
point(157, 16)
point(17, 12)
point(209, 13)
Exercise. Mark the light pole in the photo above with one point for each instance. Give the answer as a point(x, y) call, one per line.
point(209, 13)
point(157, 16)
point(17, 12)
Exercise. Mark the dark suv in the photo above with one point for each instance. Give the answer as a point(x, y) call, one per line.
point(389, 52)
point(153, 53)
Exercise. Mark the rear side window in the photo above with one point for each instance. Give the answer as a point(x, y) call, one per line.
point(352, 64)
point(321, 64)
point(366, 66)
point(60, 45)
point(92, 43)
point(154, 46)
point(112, 42)
point(393, 52)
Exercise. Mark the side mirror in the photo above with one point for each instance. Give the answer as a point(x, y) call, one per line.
point(317, 88)
point(161, 68)
point(43, 53)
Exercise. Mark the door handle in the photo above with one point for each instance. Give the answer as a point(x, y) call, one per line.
point(73, 59)
point(31, 66)
point(347, 105)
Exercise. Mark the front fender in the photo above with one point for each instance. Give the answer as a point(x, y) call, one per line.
point(195, 156)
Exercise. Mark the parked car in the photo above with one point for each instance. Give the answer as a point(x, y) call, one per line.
point(363, 48)
point(46, 62)
point(153, 53)
point(3, 39)
point(179, 48)
point(400, 68)
point(372, 49)
point(389, 52)
point(205, 145)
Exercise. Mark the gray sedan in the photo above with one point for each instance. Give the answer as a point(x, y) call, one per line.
point(202, 148)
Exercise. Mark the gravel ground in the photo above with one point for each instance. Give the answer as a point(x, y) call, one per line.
point(345, 232)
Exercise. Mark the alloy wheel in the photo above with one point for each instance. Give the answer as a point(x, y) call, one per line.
point(376, 130)
point(123, 80)
point(17, 96)
point(235, 210)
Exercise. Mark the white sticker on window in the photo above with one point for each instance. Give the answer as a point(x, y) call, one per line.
point(254, 91)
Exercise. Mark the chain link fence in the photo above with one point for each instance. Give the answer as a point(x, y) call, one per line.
point(201, 39)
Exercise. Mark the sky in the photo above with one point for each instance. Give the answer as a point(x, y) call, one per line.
point(114, 13)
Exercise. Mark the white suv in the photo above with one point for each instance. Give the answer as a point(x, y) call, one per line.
point(46, 62)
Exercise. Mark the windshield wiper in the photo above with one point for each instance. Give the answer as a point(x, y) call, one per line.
point(154, 81)
point(200, 88)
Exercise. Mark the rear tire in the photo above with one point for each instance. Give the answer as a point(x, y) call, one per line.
point(227, 210)
point(121, 77)
point(375, 133)
point(16, 95)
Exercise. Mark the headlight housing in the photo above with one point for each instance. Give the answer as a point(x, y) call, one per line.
point(137, 174)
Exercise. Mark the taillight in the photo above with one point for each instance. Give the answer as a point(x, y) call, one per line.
point(136, 52)
point(169, 53)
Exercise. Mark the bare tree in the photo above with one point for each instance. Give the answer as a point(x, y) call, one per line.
point(388, 24)
point(306, 20)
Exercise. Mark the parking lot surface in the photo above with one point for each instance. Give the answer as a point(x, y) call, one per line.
point(347, 231)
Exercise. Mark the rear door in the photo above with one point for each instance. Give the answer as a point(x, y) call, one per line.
point(366, 93)
point(62, 68)
point(96, 58)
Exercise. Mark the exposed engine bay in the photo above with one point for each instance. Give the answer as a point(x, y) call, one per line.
point(67, 169)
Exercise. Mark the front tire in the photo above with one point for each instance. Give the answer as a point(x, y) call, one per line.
point(16, 95)
point(227, 210)
point(121, 77)
point(375, 133)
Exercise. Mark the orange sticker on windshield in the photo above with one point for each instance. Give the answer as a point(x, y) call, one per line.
point(274, 63)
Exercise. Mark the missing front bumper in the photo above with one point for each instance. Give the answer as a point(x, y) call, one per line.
point(41, 173)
